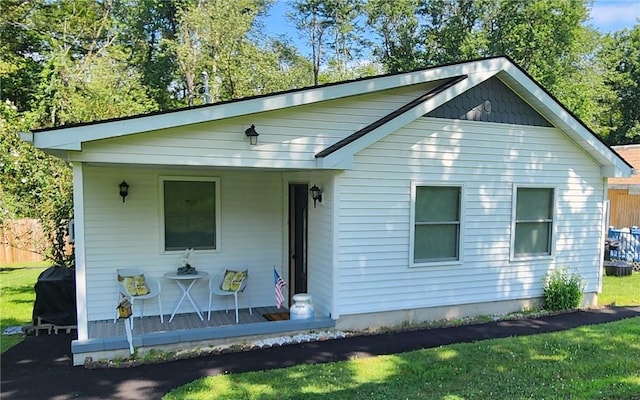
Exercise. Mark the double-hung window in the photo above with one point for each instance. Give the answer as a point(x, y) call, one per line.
point(190, 212)
point(436, 224)
point(534, 218)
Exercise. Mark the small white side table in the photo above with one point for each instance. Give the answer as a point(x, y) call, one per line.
point(186, 282)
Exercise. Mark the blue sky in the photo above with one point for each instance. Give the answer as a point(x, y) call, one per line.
point(606, 16)
point(614, 15)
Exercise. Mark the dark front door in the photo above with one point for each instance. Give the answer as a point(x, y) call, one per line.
point(298, 200)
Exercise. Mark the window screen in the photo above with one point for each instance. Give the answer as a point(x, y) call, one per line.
point(437, 223)
point(534, 221)
point(189, 215)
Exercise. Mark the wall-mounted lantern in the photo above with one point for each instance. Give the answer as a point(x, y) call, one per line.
point(316, 195)
point(252, 135)
point(124, 190)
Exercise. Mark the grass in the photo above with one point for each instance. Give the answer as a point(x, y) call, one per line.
point(592, 362)
point(620, 290)
point(18, 295)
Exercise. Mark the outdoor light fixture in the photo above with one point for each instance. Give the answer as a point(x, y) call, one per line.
point(124, 190)
point(252, 135)
point(316, 195)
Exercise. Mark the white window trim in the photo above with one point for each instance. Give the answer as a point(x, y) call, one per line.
point(554, 223)
point(412, 227)
point(161, 181)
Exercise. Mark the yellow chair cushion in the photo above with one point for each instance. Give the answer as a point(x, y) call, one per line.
point(232, 280)
point(135, 285)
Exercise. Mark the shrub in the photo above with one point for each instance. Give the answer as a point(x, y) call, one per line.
point(562, 290)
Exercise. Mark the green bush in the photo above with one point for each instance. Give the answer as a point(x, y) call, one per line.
point(562, 290)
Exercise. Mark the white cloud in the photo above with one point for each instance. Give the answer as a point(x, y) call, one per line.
point(615, 15)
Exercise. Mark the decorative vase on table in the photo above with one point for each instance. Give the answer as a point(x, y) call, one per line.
point(186, 268)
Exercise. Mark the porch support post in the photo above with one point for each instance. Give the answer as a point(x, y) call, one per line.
point(81, 281)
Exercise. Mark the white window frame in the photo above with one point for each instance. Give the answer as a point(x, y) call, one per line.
point(412, 233)
point(554, 219)
point(216, 180)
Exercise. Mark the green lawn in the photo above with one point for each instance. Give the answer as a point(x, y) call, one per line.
point(620, 290)
point(592, 362)
point(18, 295)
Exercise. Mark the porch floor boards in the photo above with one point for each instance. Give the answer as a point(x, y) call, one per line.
point(151, 324)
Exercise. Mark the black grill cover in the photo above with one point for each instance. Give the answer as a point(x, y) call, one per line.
point(56, 296)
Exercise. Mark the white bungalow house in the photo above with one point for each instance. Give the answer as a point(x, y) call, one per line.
point(446, 192)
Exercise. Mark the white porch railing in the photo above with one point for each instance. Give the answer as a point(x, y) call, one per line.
point(628, 248)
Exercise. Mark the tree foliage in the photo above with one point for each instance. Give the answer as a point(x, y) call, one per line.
point(397, 25)
point(34, 185)
point(620, 56)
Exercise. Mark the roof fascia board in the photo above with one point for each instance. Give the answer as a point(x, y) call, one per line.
point(338, 157)
point(341, 161)
point(572, 127)
point(72, 137)
point(26, 137)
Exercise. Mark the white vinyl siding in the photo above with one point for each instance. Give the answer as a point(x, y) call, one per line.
point(289, 138)
point(487, 159)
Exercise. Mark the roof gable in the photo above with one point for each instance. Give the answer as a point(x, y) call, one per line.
point(391, 116)
point(490, 101)
point(521, 85)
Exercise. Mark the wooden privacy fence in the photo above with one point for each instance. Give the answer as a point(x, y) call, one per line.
point(625, 207)
point(21, 240)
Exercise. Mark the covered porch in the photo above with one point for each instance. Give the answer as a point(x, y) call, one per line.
point(186, 331)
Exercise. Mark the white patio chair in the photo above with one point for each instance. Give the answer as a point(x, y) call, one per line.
point(152, 284)
point(229, 283)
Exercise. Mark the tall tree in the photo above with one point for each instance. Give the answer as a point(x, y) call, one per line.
point(397, 25)
point(344, 19)
point(451, 30)
point(313, 19)
point(145, 27)
point(542, 36)
point(82, 61)
point(226, 41)
point(621, 58)
point(19, 48)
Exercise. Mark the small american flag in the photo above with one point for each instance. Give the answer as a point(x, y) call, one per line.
point(279, 284)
